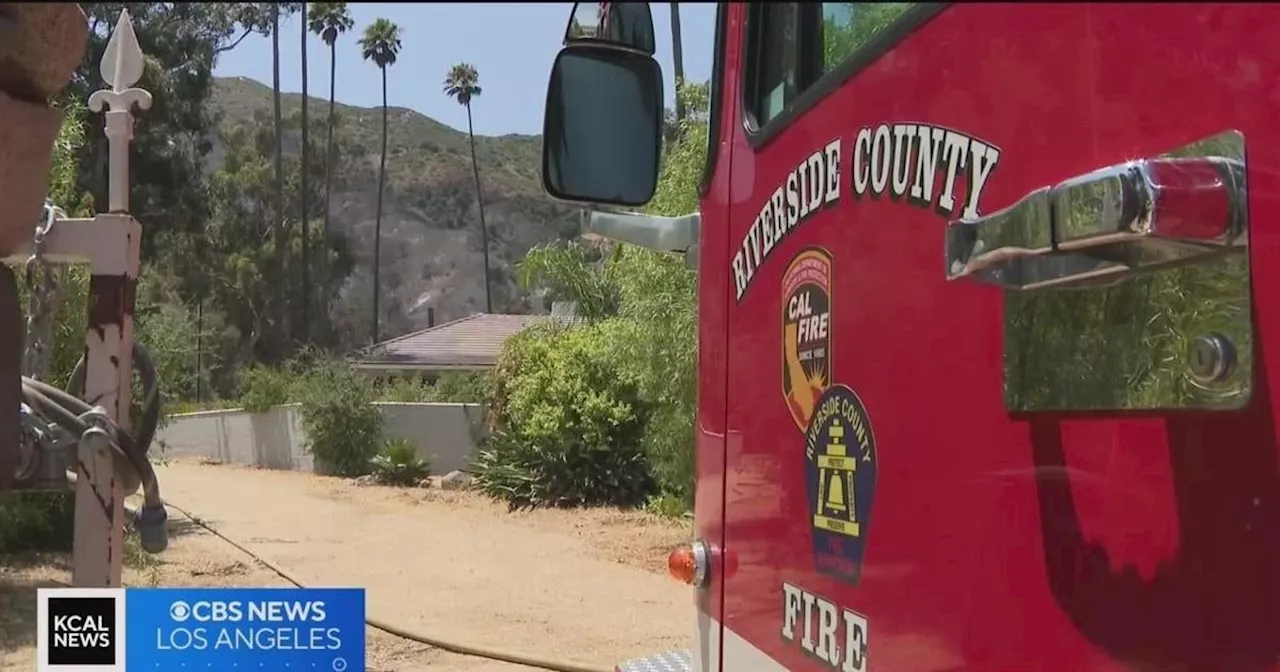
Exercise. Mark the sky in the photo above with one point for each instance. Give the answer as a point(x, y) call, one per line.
point(511, 45)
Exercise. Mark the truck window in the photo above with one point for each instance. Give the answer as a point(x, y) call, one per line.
point(716, 102)
point(849, 26)
point(776, 51)
point(798, 52)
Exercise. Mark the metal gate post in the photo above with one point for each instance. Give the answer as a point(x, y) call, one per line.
point(114, 245)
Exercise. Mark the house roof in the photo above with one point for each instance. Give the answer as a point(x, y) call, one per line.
point(469, 343)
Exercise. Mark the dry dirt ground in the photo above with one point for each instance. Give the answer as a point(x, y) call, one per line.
point(587, 586)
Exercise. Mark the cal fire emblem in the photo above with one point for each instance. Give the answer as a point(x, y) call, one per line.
point(806, 332)
point(840, 454)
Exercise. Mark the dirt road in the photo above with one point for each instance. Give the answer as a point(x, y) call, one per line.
point(580, 585)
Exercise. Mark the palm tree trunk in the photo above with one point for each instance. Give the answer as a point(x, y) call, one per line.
point(278, 159)
point(328, 170)
point(677, 56)
point(377, 226)
point(304, 328)
point(484, 230)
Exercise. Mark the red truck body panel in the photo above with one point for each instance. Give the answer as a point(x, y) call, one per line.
point(989, 541)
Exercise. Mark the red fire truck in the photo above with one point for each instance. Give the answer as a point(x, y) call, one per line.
point(982, 382)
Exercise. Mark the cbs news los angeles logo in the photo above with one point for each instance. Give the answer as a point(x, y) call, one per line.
point(317, 629)
point(80, 630)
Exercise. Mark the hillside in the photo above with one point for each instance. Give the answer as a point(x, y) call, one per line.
point(431, 253)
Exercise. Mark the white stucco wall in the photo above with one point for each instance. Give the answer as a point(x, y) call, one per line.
point(444, 434)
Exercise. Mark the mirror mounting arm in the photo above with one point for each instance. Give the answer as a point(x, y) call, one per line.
point(665, 234)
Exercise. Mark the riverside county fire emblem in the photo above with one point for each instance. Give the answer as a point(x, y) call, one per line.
point(806, 332)
point(840, 474)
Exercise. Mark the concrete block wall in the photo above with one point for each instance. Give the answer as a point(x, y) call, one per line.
point(445, 435)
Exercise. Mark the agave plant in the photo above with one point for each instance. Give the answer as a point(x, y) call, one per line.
point(398, 464)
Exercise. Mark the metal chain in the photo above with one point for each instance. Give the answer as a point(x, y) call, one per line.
point(44, 293)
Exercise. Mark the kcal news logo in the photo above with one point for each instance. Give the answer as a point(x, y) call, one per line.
point(318, 629)
point(80, 629)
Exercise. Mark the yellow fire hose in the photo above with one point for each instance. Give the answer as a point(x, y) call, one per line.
point(447, 645)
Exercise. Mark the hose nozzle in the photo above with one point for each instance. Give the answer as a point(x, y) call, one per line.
point(152, 524)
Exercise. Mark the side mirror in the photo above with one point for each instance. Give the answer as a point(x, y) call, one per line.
point(602, 133)
point(622, 24)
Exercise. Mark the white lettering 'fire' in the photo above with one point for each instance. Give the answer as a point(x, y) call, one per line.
point(817, 622)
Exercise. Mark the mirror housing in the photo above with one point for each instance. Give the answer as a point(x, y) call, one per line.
point(620, 24)
point(602, 130)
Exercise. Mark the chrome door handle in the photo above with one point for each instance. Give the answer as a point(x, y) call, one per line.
point(1106, 225)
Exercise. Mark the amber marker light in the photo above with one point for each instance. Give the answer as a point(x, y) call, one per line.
point(690, 563)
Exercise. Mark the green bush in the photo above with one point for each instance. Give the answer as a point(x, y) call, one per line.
point(462, 387)
point(263, 388)
point(37, 521)
point(661, 346)
point(399, 464)
point(529, 474)
point(406, 390)
point(651, 335)
point(344, 428)
point(168, 332)
point(667, 506)
point(568, 423)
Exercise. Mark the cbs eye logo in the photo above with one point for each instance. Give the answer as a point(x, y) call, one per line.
point(179, 611)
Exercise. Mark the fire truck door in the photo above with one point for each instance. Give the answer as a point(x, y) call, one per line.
point(1038, 440)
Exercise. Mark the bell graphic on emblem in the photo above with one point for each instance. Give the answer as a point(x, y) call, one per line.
point(841, 477)
point(835, 506)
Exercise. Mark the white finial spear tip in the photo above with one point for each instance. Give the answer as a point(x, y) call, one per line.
point(122, 62)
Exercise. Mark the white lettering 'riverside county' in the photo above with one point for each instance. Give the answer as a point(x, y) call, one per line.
point(920, 163)
point(809, 187)
point(907, 160)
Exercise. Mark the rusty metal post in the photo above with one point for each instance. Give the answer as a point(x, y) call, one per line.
point(100, 519)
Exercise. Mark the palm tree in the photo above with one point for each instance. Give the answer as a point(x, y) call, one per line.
point(677, 56)
point(329, 20)
point(302, 189)
point(278, 158)
point(463, 84)
point(380, 44)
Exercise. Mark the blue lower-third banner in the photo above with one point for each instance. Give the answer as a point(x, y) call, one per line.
point(242, 629)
